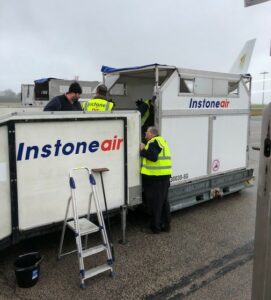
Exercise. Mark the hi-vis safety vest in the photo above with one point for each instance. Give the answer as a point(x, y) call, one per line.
point(163, 164)
point(97, 105)
point(147, 113)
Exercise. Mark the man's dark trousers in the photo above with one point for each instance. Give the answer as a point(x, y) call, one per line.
point(156, 194)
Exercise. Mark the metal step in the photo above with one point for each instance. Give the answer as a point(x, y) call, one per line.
point(95, 271)
point(86, 227)
point(93, 250)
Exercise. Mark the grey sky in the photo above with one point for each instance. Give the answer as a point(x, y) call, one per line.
point(63, 38)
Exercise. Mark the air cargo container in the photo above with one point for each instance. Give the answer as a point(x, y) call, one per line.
point(204, 116)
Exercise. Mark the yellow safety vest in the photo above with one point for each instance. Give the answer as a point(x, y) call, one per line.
point(163, 165)
point(147, 113)
point(97, 105)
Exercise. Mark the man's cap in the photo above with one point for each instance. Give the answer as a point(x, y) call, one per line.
point(75, 88)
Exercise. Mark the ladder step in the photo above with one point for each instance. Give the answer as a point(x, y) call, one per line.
point(93, 250)
point(95, 271)
point(85, 226)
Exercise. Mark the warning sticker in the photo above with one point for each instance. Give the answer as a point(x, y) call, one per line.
point(216, 165)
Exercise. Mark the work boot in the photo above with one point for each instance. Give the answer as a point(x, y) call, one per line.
point(165, 228)
point(150, 230)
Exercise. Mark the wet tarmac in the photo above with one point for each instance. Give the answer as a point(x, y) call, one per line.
point(207, 255)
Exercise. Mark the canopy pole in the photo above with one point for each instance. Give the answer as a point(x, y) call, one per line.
point(156, 81)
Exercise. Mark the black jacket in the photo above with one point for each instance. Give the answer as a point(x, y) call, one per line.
point(61, 103)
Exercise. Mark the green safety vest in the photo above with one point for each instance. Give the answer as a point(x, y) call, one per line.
point(147, 113)
point(97, 105)
point(163, 165)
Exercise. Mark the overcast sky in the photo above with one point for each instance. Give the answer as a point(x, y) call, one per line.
point(64, 38)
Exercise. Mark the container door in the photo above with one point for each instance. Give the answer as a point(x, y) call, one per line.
point(187, 138)
point(229, 143)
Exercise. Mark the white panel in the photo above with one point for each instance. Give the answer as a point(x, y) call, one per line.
point(203, 86)
point(43, 187)
point(3, 172)
point(63, 89)
point(229, 143)
point(134, 160)
point(188, 141)
point(119, 89)
point(220, 87)
point(170, 91)
point(12, 109)
point(5, 201)
point(110, 80)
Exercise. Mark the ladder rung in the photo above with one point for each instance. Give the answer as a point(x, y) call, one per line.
point(93, 250)
point(95, 271)
point(85, 226)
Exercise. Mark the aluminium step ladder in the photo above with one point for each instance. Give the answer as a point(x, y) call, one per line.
point(83, 227)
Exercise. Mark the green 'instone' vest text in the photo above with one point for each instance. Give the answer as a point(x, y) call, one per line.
point(147, 113)
point(163, 165)
point(97, 105)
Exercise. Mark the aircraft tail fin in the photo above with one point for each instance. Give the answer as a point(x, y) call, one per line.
point(241, 64)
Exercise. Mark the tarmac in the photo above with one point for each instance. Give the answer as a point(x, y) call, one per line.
point(207, 255)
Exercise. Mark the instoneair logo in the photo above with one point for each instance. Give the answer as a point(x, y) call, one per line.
point(224, 103)
point(59, 148)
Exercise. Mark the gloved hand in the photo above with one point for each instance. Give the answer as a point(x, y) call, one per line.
point(139, 101)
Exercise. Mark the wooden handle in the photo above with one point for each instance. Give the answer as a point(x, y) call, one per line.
point(99, 170)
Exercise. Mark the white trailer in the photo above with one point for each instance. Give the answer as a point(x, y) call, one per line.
point(204, 116)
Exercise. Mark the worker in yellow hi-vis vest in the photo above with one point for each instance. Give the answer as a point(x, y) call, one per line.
point(99, 102)
point(156, 169)
point(146, 109)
